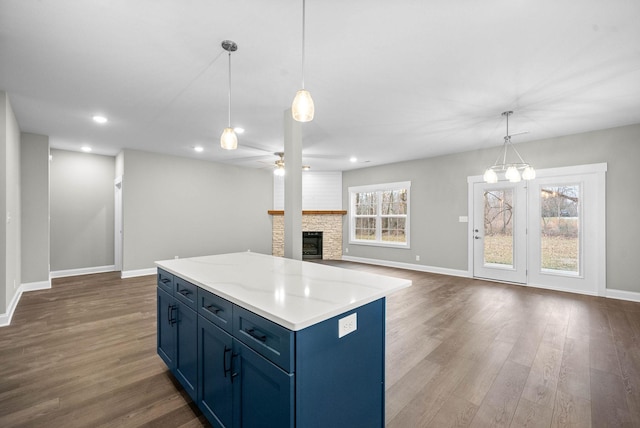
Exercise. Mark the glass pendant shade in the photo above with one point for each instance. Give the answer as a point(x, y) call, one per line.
point(302, 108)
point(278, 171)
point(490, 176)
point(512, 174)
point(229, 139)
point(529, 173)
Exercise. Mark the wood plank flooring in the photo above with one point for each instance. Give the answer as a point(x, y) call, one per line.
point(460, 352)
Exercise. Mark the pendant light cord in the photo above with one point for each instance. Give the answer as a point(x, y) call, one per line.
point(303, 35)
point(229, 89)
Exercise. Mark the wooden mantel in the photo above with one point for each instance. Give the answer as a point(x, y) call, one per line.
point(281, 212)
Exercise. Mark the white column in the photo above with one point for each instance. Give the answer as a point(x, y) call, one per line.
point(292, 187)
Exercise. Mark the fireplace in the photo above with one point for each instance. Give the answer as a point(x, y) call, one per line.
point(311, 245)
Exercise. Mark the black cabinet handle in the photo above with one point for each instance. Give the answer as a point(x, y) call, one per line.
point(184, 292)
point(233, 373)
point(170, 317)
point(256, 334)
point(165, 280)
point(224, 361)
point(213, 308)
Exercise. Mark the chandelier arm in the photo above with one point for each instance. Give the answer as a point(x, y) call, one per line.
point(519, 157)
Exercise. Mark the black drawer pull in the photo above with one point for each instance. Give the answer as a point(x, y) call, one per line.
point(213, 309)
point(256, 334)
point(165, 280)
point(224, 361)
point(170, 317)
point(185, 292)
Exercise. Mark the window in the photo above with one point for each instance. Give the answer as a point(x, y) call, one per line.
point(380, 214)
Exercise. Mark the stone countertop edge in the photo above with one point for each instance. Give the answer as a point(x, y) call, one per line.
point(289, 305)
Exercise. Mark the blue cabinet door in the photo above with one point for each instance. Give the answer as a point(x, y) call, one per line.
point(263, 392)
point(186, 361)
point(215, 393)
point(166, 328)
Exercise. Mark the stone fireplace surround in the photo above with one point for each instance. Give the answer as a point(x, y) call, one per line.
point(327, 222)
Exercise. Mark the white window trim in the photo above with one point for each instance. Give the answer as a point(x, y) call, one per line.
point(378, 188)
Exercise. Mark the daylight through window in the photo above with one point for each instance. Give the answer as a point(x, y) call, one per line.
point(380, 214)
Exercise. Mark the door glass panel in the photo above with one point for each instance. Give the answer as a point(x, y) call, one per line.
point(498, 227)
point(560, 228)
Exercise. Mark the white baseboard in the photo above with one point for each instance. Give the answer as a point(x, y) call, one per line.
point(82, 271)
point(632, 296)
point(138, 272)
point(408, 266)
point(5, 319)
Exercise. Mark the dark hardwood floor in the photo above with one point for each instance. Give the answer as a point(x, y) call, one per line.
point(460, 352)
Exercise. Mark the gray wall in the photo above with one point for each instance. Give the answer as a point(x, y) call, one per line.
point(10, 276)
point(82, 210)
point(439, 196)
point(34, 173)
point(184, 207)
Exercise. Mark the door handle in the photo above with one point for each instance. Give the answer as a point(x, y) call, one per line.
point(476, 237)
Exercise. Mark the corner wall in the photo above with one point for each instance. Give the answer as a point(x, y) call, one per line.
point(34, 173)
point(10, 249)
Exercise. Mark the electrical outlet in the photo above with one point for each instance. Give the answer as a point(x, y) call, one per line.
point(346, 250)
point(175, 257)
point(347, 325)
point(417, 258)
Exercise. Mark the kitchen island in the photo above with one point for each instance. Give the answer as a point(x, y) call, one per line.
point(258, 340)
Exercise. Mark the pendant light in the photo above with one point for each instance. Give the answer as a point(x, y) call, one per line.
point(229, 139)
point(302, 108)
point(512, 170)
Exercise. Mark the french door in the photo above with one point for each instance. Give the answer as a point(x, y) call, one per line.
point(499, 231)
point(547, 233)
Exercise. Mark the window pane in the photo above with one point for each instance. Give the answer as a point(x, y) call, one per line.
point(393, 229)
point(498, 227)
point(560, 227)
point(366, 228)
point(366, 203)
point(394, 202)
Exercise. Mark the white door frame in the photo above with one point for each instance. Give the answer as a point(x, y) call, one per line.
point(596, 226)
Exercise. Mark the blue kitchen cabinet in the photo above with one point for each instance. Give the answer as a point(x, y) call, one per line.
point(177, 333)
point(215, 352)
point(263, 392)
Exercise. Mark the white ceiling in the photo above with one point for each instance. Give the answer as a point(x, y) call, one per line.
point(391, 81)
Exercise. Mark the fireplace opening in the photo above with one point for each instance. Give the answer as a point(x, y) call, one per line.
point(311, 245)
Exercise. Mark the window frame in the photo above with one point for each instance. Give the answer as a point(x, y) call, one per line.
point(379, 189)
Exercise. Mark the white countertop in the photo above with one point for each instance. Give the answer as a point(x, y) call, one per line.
point(292, 293)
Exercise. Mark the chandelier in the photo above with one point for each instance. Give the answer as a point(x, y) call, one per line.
point(513, 171)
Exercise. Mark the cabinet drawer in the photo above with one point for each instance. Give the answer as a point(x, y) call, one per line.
point(215, 309)
point(267, 338)
point(165, 281)
point(186, 292)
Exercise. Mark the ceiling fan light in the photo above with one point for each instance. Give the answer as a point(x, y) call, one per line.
point(512, 174)
point(302, 108)
point(490, 176)
point(279, 171)
point(229, 139)
point(529, 173)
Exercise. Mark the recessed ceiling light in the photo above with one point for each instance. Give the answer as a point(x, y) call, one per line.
point(86, 149)
point(198, 149)
point(353, 159)
point(239, 130)
point(100, 119)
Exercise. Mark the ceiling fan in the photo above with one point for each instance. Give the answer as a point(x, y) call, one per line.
point(279, 165)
